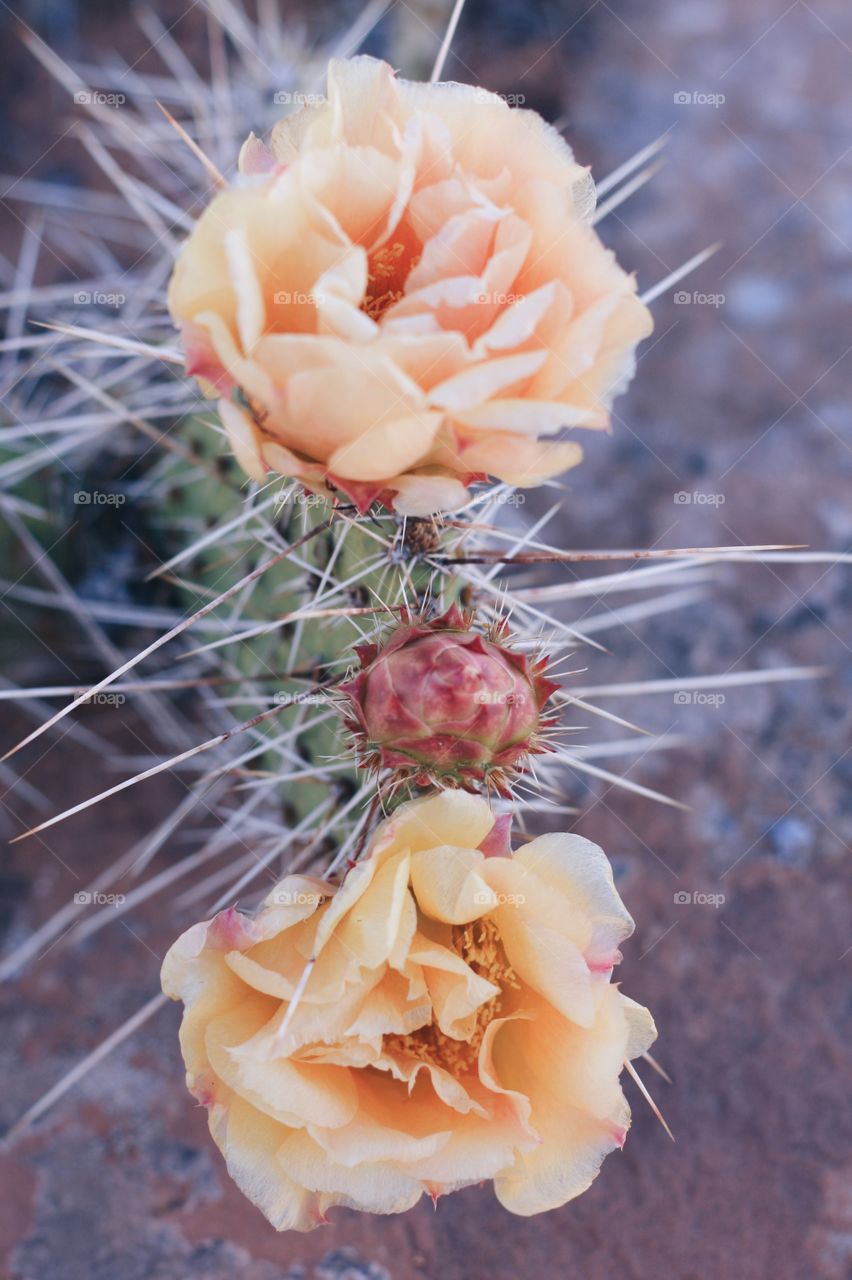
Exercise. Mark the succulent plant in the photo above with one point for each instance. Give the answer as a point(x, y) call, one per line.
point(261, 590)
point(350, 572)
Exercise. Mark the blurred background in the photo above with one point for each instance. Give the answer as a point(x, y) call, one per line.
point(737, 430)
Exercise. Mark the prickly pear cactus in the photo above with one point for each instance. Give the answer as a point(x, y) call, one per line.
point(301, 620)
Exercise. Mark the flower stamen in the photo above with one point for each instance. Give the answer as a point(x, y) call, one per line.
point(386, 280)
point(479, 945)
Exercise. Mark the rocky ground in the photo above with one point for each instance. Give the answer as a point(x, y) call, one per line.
point(741, 404)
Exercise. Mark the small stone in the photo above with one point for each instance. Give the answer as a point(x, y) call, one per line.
point(792, 840)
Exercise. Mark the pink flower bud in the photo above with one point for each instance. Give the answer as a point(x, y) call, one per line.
point(444, 703)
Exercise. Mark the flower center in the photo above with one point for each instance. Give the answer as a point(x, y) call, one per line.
point(479, 945)
point(387, 272)
point(383, 281)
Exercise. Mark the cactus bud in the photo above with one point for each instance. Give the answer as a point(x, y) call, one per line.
point(443, 703)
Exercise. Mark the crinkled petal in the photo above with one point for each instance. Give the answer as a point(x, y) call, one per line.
point(373, 1187)
point(447, 884)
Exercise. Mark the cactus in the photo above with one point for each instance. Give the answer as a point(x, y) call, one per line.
point(306, 617)
point(289, 584)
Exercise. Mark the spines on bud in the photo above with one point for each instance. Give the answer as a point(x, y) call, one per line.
point(444, 702)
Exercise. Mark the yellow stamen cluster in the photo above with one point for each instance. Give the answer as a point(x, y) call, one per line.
point(479, 945)
point(384, 272)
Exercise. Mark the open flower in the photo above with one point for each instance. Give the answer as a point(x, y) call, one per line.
point(441, 702)
point(403, 293)
point(445, 1016)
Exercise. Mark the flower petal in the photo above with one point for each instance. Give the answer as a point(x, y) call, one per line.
point(447, 885)
point(383, 451)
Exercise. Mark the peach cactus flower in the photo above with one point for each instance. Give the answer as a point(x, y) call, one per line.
point(458, 1022)
point(404, 293)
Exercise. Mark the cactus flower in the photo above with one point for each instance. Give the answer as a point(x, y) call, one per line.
point(404, 293)
point(441, 702)
point(457, 1022)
